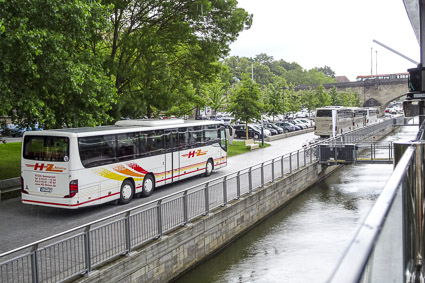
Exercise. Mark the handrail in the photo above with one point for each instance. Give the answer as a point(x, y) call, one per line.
point(355, 258)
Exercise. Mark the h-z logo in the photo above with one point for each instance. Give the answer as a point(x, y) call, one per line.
point(194, 153)
point(45, 167)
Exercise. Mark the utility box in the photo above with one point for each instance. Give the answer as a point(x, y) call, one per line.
point(333, 154)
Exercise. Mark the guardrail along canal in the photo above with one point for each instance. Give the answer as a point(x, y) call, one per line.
point(303, 241)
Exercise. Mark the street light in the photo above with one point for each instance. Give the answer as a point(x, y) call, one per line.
point(283, 100)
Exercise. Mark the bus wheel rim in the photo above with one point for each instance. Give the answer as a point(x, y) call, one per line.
point(148, 186)
point(126, 192)
point(209, 167)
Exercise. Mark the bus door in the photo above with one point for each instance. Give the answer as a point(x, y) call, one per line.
point(172, 170)
point(223, 146)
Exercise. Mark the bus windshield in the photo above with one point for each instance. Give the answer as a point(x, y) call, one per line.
point(46, 148)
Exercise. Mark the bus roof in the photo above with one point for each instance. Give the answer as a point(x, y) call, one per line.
point(126, 126)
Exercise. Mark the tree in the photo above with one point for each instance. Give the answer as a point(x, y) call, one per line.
point(49, 72)
point(273, 98)
point(351, 99)
point(336, 97)
point(309, 100)
point(215, 94)
point(292, 100)
point(327, 71)
point(156, 46)
point(245, 102)
point(323, 96)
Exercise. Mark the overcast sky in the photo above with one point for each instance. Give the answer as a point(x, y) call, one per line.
point(336, 33)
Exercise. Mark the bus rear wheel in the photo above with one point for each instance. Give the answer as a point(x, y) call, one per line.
point(148, 186)
point(127, 192)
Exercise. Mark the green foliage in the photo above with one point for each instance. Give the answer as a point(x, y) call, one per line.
point(48, 69)
point(309, 99)
point(10, 161)
point(323, 97)
point(273, 94)
point(152, 56)
point(216, 95)
point(245, 101)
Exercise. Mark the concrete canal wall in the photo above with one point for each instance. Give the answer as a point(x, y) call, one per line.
point(166, 258)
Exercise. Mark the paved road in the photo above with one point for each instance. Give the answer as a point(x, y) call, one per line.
point(23, 224)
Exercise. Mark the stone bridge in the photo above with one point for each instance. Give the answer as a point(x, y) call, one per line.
point(372, 93)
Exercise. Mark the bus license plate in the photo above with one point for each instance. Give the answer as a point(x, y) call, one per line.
point(45, 190)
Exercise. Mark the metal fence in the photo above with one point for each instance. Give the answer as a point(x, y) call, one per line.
point(389, 246)
point(80, 250)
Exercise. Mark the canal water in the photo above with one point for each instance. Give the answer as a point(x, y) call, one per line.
point(303, 241)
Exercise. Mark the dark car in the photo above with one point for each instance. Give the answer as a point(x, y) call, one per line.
point(240, 131)
point(286, 126)
point(272, 129)
point(277, 128)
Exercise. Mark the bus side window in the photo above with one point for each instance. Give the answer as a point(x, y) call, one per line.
point(183, 139)
point(211, 134)
point(126, 146)
point(142, 144)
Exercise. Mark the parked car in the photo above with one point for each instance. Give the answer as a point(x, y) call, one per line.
point(308, 122)
point(277, 128)
point(300, 123)
point(286, 126)
point(253, 132)
point(272, 130)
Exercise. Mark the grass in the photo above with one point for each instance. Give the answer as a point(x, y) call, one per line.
point(238, 147)
point(10, 160)
point(10, 157)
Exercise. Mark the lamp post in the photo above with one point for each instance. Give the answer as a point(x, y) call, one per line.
point(283, 100)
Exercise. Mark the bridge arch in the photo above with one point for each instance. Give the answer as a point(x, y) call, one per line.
point(375, 92)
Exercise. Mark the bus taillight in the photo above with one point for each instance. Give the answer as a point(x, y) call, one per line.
point(73, 189)
point(22, 187)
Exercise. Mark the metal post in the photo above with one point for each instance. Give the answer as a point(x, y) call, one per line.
point(262, 174)
point(34, 266)
point(250, 179)
point(281, 168)
point(238, 184)
point(159, 217)
point(185, 208)
point(87, 248)
point(207, 199)
point(224, 191)
point(290, 162)
point(420, 182)
point(273, 170)
point(127, 231)
point(298, 159)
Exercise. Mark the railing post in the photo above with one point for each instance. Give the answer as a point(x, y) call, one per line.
point(273, 170)
point(290, 162)
point(34, 265)
point(87, 248)
point(298, 159)
point(262, 174)
point(281, 167)
point(159, 217)
point(224, 191)
point(250, 179)
point(207, 198)
point(127, 231)
point(238, 184)
point(185, 208)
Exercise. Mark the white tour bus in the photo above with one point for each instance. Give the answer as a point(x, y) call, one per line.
point(359, 117)
point(72, 168)
point(333, 120)
point(372, 115)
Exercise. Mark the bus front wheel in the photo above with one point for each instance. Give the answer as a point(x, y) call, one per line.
point(127, 192)
point(148, 186)
point(209, 168)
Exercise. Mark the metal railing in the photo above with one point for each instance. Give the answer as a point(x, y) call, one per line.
point(80, 250)
point(389, 246)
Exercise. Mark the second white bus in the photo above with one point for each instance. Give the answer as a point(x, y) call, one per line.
point(73, 168)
